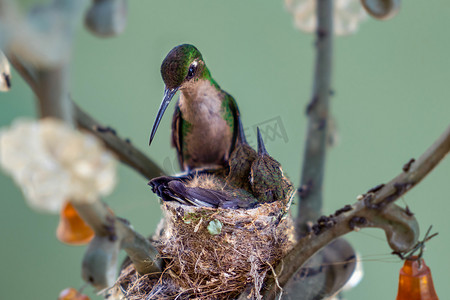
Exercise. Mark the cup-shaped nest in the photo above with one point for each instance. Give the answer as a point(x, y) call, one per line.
point(213, 253)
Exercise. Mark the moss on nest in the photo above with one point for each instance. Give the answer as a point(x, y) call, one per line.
point(212, 253)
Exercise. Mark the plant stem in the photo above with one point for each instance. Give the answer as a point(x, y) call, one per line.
point(310, 191)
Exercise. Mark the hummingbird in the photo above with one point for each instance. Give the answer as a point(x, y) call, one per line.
point(240, 162)
point(267, 179)
point(206, 118)
point(227, 187)
point(253, 178)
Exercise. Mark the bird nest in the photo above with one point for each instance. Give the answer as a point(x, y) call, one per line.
point(212, 253)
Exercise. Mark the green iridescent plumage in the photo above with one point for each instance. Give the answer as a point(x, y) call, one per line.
point(205, 122)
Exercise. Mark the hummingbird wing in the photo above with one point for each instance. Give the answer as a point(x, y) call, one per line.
point(170, 188)
point(177, 134)
point(232, 115)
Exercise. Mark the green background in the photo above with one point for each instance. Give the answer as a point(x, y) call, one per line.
point(392, 91)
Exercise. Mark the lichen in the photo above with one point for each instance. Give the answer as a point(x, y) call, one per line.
point(214, 227)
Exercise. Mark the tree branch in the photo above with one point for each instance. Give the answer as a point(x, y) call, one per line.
point(144, 256)
point(375, 209)
point(310, 191)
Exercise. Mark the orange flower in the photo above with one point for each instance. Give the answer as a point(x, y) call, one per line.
point(72, 229)
point(415, 281)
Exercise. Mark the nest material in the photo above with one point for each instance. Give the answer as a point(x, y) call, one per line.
point(213, 253)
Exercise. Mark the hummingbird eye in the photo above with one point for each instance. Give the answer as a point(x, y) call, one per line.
point(192, 70)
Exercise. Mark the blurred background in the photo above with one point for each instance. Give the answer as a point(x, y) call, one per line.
point(391, 101)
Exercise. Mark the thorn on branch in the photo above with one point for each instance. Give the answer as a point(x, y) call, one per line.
point(376, 188)
point(323, 223)
point(400, 189)
point(343, 210)
point(356, 221)
point(312, 104)
point(408, 211)
point(105, 129)
point(407, 166)
point(368, 201)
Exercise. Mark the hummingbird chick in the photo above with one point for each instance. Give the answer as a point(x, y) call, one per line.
point(240, 162)
point(206, 118)
point(267, 180)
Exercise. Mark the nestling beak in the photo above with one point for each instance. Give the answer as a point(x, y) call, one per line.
point(168, 95)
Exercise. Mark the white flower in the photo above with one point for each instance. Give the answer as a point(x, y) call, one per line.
point(347, 15)
point(53, 163)
point(5, 73)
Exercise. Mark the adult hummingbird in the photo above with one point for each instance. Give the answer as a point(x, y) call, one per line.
point(206, 119)
point(253, 178)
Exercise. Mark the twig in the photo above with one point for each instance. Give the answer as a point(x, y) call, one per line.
point(310, 191)
point(374, 207)
point(144, 256)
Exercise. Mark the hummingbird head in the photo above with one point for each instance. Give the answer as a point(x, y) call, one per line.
point(182, 65)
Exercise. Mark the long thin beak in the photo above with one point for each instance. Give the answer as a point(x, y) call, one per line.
point(168, 95)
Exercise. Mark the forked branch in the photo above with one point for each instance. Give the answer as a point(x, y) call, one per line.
point(375, 209)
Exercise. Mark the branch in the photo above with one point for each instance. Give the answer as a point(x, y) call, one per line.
point(375, 209)
point(310, 191)
point(53, 85)
point(116, 234)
